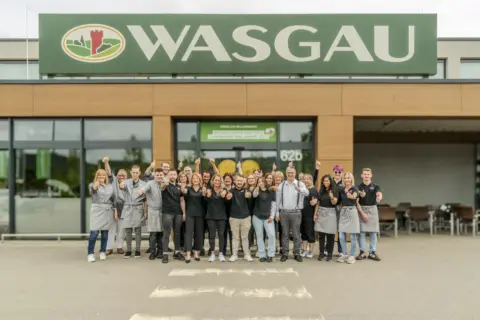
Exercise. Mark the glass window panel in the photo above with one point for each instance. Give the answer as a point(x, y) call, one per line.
point(17, 70)
point(470, 69)
point(224, 160)
point(4, 195)
point(296, 131)
point(187, 157)
point(118, 130)
point(257, 160)
point(441, 64)
point(4, 132)
point(187, 132)
point(303, 160)
point(47, 192)
point(47, 130)
point(119, 159)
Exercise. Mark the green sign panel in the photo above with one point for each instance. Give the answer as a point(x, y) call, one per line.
point(238, 132)
point(226, 44)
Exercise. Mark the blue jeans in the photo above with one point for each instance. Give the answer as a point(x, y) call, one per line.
point(353, 243)
point(93, 238)
point(373, 241)
point(259, 225)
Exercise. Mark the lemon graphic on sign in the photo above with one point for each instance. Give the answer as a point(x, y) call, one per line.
point(227, 166)
point(249, 166)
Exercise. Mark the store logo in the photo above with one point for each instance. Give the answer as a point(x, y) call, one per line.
point(93, 43)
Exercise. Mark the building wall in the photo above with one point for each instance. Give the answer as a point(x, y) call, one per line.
point(334, 106)
point(423, 174)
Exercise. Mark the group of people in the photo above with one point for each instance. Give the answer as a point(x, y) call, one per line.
point(233, 207)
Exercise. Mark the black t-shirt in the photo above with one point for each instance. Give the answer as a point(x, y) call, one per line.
point(216, 206)
point(324, 198)
point(307, 207)
point(371, 190)
point(263, 204)
point(347, 202)
point(194, 202)
point(171, 199)
point(239, 204)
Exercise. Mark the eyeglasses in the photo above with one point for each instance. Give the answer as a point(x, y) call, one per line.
point(337, 172)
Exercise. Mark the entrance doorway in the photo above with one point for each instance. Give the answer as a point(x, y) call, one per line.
point(251, 160)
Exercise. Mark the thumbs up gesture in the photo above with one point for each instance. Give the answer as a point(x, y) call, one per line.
point(105, 160)
point(314, 201)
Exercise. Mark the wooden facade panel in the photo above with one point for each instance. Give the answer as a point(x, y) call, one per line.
point(294, 99)
point(327, 166)
point(16, 100)
point(471, 100)
point(402, 99)
point(93, 100)
point(200, 99)
point(162, 138)
point(335, 137)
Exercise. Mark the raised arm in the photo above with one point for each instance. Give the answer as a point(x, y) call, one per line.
point(214, 167)
point(239, 168)
point(149, 170)
point(197, 165)
point(315, 173)
point(107, 167)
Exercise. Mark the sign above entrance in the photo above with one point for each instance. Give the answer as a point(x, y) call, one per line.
point(238, 132)
point(222, 44)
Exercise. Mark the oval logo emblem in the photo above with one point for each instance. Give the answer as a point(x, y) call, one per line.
point(93, 43)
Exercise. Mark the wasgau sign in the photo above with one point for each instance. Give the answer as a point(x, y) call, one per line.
point(326, 44)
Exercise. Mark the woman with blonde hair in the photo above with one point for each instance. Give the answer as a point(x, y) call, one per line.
point(102, 213)
point(195, 216)
point(349, 221)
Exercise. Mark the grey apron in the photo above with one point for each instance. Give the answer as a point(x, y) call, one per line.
point(154, 223)
point(154, 202)
point(326, 220)
point(133, 208)
point(373, 223)
point(349, 220)
point(101, 209)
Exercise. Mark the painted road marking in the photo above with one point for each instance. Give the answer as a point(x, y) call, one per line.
point(164, 292)
point(139, 316)
point(248, 272)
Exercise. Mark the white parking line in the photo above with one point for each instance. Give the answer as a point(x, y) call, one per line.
point(248, 272)
point(163, 292)
point(148, 317)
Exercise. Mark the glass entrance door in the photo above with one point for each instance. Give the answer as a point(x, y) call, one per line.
point(251, 160)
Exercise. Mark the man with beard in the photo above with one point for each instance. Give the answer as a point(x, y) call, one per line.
point(116, 228)
point(154, 212)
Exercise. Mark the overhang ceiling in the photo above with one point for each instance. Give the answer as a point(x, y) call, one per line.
point(416, 125)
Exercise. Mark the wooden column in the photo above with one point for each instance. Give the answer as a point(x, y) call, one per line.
point(162, 140)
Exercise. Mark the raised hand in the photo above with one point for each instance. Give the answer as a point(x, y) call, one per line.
point(317, 164)
point(197, 161)
point(229, 196)
point(105, 160)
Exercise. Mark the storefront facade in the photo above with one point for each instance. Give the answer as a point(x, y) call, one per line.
point(55, 130)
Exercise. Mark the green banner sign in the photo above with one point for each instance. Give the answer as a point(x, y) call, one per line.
point(238, 132)
point(266, 44)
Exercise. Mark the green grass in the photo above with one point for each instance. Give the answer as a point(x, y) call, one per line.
point(111, 41)
point(88, 44)
point(79, 51)
point(107, 52)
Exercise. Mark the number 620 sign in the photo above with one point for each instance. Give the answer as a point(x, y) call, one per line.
point(291, 155)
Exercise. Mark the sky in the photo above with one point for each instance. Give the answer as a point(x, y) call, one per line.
point(456, 18)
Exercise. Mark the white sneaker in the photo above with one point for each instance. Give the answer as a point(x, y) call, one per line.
point(212, 257)
point(248, 258)
point(233, 258)
point(103, 256)
point(342, 259)
point(221, 257)
point(303, 254)
point(309, 255)
point(257, 255)
point(351, 260)
point(91, 258)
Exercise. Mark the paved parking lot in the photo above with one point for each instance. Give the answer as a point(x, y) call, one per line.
point(420, 277)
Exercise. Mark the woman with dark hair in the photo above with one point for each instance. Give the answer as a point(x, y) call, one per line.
point(263, 218)
point(326, 217)
point(308, 212)
point(228, 182)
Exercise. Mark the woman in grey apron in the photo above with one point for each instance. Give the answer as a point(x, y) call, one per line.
point(349, 220)
point(326, 217)
point(102, 213)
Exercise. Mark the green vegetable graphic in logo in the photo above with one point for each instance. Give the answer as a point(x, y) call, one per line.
point(93, 43)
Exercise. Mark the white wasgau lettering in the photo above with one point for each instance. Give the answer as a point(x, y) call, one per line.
point(213, 44)
point(355, 44)
point(262, 49)
point(382, 44)
point(283, 50)
point(164, 39)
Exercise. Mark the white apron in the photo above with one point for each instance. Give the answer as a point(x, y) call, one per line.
point(101, 209)
point(326, 220)
point(373, 223)
point(349, 220)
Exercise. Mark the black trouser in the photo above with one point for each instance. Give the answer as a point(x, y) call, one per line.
point(170, 221)
point(182, 234)
point(307, 227)
point(251, 236)
point(330, 241)
point(279, 227)
point(339, 245)
point(227, 235)
point(155, 242)
point(194, 228)
point(205, 230)
point(216, 228)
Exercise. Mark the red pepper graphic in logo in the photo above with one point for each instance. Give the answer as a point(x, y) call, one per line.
point(97, 40)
